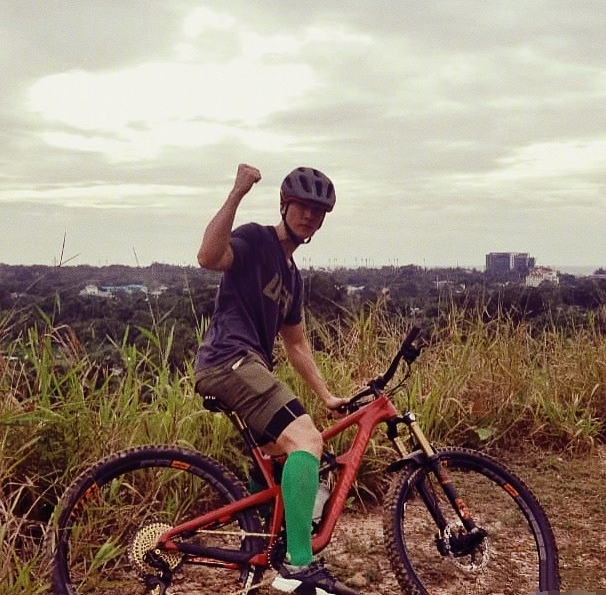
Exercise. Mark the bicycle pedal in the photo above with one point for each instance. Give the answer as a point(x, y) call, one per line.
point(159, 588)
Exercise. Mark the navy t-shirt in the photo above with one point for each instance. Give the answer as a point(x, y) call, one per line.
point(258, 294)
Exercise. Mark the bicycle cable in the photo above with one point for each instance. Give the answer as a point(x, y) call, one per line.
point(401, 383)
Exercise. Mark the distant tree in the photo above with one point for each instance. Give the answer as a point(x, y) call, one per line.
point(324, 297)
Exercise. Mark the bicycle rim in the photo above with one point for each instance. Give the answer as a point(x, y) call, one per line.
point(112, 515)
point(518, 557)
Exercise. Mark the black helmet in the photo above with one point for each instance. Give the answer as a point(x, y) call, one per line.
point(308, 184)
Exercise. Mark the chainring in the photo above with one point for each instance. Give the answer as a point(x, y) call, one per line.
point(144, 541)
point(277, 553)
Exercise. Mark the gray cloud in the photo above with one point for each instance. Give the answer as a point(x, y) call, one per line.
point(450, 128)
point(60, 35)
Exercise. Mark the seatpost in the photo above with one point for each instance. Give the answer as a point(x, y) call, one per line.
point(243, 429)
point(236, 420)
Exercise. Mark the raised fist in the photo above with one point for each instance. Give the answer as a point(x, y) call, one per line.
point(246, 177)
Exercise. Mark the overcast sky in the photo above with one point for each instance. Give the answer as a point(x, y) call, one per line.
point(450, 128)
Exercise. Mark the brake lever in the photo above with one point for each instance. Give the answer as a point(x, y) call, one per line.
point(341, 408)
point(354, 403)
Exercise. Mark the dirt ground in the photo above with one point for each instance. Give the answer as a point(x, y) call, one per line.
point(571, 489)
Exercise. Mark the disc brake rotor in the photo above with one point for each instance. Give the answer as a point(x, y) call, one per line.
point(474, 561)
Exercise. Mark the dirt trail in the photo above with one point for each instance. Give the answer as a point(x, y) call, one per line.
point(572, 491)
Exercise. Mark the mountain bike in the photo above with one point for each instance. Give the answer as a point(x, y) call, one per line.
point(164, 519)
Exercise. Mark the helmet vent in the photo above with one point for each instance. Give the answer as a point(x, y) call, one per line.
point(305, 183)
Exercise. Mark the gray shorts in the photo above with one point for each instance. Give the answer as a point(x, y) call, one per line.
point(246, 386)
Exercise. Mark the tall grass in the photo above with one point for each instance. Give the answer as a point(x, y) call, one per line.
point(506, 384)
point(490, 385)
point(60, 411)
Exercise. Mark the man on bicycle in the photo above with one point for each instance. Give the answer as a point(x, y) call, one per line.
point(260, 296)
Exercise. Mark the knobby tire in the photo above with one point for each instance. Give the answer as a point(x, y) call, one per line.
point(116, 509)
point(519, 556)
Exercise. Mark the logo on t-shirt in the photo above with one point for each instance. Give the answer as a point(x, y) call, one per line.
point(276, 291)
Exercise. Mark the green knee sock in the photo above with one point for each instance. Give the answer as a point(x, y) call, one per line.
point(299, 488)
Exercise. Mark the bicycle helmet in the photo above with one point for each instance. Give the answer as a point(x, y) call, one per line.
point(308, 185)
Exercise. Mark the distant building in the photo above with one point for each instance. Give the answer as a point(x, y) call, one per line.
point(505, 262)
point(111, 290)
point(354, 289)
point(523, 262)
point(499, 262)
point(158, 292)
point(541, 275)
point(130, 288)
point(94, 290)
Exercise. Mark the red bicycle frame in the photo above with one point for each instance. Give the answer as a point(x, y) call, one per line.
point(366, 419)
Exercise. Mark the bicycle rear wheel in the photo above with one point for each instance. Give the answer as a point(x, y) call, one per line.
point(111, 517)
point(519, 555)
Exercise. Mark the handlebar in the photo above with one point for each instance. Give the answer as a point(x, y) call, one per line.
point(407, 352)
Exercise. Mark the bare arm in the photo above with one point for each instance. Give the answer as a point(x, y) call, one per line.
point(215, 252)
point(301, 357)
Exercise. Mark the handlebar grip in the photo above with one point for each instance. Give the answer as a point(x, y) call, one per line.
point(353, 403)
point(410, 337)
point(407, 351)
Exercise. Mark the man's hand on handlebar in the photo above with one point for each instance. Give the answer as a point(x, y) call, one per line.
point(337, 407)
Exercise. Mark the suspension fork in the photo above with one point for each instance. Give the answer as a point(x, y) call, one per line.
point(432, 462)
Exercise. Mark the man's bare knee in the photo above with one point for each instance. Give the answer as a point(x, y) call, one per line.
point(301, 434)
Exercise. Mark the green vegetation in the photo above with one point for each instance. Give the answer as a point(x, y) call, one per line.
point(490, 377)
point(179, 298)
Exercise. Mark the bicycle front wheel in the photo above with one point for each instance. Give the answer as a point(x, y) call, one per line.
point(112, 516)
point(518, 556)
